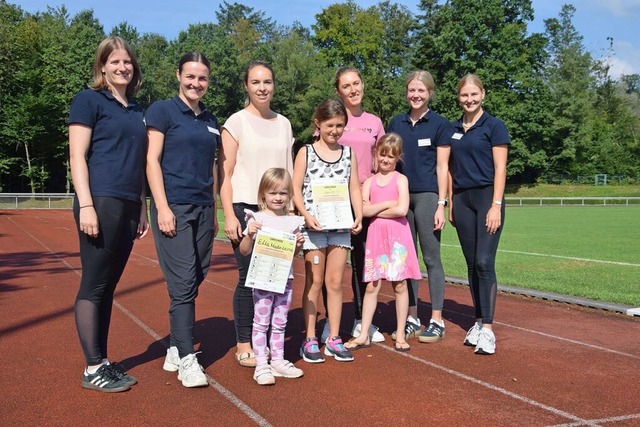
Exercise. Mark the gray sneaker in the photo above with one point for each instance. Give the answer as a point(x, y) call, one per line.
point(433, 333)
point(472, 335)
point(412, 329)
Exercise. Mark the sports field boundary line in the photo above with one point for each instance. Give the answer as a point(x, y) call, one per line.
point(599, 261)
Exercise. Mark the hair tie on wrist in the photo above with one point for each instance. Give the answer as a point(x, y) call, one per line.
point(86, 206)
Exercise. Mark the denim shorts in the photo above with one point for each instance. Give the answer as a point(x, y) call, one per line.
point(314, 240)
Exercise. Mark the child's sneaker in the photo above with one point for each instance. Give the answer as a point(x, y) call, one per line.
point(486, 342)
point(412, 329)
point(286, 369)
point(104, 379)
point(310, 352)
point(433, 333)
point(172, 360)
point(263, 375)
point(471, 339)
point(336, 349)
point(191, 373)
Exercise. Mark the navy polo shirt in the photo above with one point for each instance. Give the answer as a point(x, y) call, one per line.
point(117, 152)
point(419, 148)
point(188, 156)
point(472, 152)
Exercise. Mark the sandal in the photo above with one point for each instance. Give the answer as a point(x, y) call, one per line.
point(246, 359)
point(402, 346)
point(353, 345)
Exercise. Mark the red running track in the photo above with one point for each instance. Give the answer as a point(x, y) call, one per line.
point(555, 364)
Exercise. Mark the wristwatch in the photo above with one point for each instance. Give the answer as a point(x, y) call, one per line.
point(498, 202)
point(443, 202)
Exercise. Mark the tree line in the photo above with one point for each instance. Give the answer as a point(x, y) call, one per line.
point(565, 113)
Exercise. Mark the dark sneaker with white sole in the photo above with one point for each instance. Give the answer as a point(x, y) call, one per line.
point(105, 380)
point(433, 333)
point(122, 373)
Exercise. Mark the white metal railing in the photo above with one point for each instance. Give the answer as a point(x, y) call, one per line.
point(572, 201)
point(36, 201)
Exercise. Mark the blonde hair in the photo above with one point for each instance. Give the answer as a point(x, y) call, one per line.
point(105, 49)
point(470, 79)
point(390, 143)
point(423, 76)
point(273, 178)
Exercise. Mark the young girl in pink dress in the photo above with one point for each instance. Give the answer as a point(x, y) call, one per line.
point(390, 252)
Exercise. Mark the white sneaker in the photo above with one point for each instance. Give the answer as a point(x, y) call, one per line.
point(191, 373)
point(286, 369)
point(325, 332)
point(374, 333)
point(172, 360)
point(486, 342)
point(472, 335)
point(263, 375)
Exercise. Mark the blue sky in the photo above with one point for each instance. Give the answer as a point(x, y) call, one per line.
point(595, 20)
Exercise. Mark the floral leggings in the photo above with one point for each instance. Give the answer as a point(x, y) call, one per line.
point(270, 310)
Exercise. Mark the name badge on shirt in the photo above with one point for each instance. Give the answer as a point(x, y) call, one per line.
point(456, 136)
point(213, 130)
point(424, 142)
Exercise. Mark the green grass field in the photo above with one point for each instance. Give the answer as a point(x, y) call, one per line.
point(579, 251)
point(590, 252)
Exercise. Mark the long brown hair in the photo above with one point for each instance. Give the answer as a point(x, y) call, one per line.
point(105, 49)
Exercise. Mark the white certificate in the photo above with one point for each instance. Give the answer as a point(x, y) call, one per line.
point(332, 203)
point(271, 260)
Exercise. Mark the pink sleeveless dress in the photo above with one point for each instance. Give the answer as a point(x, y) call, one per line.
point(390, 253)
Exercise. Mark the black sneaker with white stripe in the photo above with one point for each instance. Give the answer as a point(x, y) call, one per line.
point(104, 379)
point(122, 374)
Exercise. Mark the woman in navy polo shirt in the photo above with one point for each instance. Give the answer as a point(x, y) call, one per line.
point(425, 162)
point(479, 172)
point(183, 139)
point(106, 135)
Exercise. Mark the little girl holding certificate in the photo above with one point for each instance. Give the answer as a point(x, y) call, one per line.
point(325, 190)
point(271, 308)
point(389, 252)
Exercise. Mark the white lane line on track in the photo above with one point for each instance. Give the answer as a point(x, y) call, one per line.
point(601, 421)
point(491, 387)
point(237, 402)
point(600, 261)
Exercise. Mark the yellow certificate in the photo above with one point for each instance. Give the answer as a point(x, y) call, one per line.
point(332, 203)
point(271, 260)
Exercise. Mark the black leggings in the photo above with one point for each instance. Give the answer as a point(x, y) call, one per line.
point(103, 260)
point(243, 296)
point(470, 209)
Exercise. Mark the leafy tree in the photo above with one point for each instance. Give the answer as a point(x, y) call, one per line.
point(493, 43)
point(572, 86)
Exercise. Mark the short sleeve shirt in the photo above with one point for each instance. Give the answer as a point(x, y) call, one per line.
point(188, 156)
point(420, 143)
point(361, 134)
point(117, 151)
point(472, 151)
point(262, 144)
